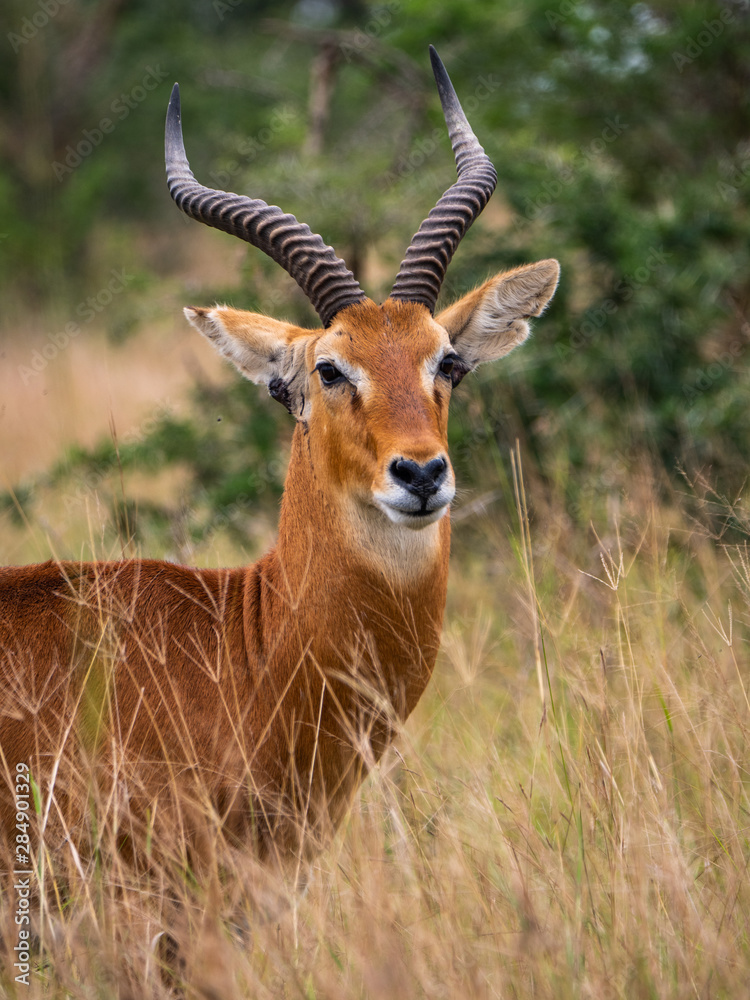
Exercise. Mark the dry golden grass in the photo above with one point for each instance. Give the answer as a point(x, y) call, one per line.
point(565, 815)
point(90, 383)
point(86, 386)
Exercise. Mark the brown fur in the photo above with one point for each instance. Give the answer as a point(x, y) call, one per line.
point(262, 695)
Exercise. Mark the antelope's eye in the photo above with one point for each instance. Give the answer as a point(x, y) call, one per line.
point(329, 374)
point(447, 365)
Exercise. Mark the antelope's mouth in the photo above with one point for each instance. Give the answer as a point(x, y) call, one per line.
point(403, 510)
point(413, 518)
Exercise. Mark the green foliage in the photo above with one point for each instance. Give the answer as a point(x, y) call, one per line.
point(620, 134)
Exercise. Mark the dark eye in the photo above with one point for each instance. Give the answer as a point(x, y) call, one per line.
point(447, 365)
point(329, 374)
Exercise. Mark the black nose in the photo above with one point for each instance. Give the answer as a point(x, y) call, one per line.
point(422, 480)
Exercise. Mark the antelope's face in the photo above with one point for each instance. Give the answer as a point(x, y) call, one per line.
point(379, 388)
point(373, 389)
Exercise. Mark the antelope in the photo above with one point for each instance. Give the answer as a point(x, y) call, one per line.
point(263, 695)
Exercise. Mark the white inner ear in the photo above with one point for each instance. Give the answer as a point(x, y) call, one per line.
point(259, 348)
point(257, 352)
point(497, 325)
point(494, 329)
point(499, 320)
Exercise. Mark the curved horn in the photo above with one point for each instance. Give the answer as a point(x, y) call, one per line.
point(433, 245)
point(321, 275)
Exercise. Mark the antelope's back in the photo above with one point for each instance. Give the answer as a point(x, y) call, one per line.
point(116, 663)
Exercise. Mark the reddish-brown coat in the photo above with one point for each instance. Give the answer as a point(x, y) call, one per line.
point(258, 695)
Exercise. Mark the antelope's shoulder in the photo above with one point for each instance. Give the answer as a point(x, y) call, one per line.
point(68, 592)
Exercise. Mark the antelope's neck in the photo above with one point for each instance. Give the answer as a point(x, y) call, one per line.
point(359, 584)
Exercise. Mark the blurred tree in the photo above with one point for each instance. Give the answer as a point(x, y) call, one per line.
point(621, 134)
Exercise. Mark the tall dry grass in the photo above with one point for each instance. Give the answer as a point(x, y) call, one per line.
point(565, 815)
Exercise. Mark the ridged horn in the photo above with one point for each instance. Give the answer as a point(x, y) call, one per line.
point(423, 268)
point(321, 275)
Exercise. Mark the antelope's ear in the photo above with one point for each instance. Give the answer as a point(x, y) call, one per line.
point(267, 351)
point(489, 322)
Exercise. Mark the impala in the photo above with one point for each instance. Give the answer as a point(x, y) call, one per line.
point(259, 697)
